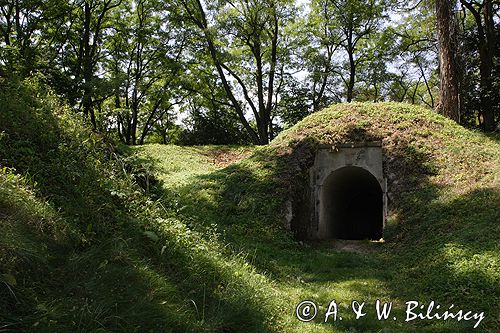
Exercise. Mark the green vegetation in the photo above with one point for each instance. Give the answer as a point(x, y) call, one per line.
point(172, 239)
point(195, 72)
point(101, 235)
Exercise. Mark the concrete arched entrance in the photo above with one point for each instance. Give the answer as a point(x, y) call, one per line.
point(351, 205)
point(345, 197)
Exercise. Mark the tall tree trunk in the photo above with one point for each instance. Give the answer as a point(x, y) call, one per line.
point(449, 102)
point(486, 47)
point(262, 121)
point(133, 124)
point(121, 129)
point(87, 68)
point(486, 57)
point(352, 77)
point(164, 133)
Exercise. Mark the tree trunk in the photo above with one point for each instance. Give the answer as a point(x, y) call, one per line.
point(164, 135)
point(486, 51)
point(486, 47)
point(263, 120)
point(87, 69)
point(449, 101)
point(352, 77)
point(133, 124)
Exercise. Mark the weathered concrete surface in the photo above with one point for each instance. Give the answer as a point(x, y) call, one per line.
point(317, 216)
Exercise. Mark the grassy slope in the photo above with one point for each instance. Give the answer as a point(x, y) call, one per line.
point(77, 249)
point(84, 248)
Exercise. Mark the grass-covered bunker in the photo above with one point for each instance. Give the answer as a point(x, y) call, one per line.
point(358, 166)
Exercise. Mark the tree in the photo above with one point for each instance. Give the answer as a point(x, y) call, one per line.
point(414, 80)
point(374, 76)
point(144, 62)
point(94, 17)
point(483, 14)
point(295, 103)
point(24, 27)
point(320, 41)
point(246, 44)
point(358, 21)
point(448, 68)
point(345, 37)
point(207, 124)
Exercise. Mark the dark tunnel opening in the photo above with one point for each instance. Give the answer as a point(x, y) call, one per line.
point(353, 203)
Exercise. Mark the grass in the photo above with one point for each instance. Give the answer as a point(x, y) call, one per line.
point(436, 192)
point(74, 255)
point(191, 239)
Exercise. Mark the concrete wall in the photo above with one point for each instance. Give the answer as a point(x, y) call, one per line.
point(329, 159)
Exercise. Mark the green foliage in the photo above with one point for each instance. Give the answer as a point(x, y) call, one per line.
point(144, 70)
point(471, 90)
point(348, 46)
point(70, 213)
point(132, 65)
point(98, 238)
point(247, 45)
point(216, 126)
